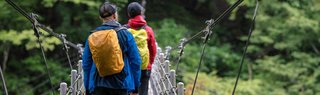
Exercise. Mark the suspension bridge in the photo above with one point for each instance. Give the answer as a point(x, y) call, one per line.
point(162, 79)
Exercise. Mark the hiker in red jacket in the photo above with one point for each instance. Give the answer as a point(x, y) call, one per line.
point(138, 26)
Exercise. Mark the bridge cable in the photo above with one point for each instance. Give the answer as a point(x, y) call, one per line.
point(3, 82)
point(25, 14)
point(60, 36)
point(208, 33)
point(246, 46)
point(202, 55)
point(32, 19)
point(184, 41)
point(34, 24)
point(37, 34)
point(66, 49)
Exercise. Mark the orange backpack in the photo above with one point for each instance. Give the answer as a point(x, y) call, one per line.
point(106, 52)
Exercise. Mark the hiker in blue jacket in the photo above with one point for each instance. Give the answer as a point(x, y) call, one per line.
point(129, 78)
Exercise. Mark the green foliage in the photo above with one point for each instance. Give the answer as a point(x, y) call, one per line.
point(283, 52)
point(297, 74)
point(284, 43)
point(27, 36)
point(91, 3)
point(29, 76)
point(209, 84)
point(169, 33)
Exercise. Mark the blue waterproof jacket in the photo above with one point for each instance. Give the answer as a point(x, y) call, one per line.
point(128, 78)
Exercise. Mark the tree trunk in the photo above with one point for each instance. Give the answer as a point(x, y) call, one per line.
point(143, 3)
point(5, 57)
point(250, 70)
point(314, 48)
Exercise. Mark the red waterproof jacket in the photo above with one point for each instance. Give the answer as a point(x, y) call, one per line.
point(136, 23)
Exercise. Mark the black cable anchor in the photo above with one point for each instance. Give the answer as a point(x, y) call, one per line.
point(207, 31)
point(206, 37)
point(66, 48)
point(80, 50)
point(181, 52)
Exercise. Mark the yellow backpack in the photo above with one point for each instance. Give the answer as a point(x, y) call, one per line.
point(106, 52)
point(140, 37)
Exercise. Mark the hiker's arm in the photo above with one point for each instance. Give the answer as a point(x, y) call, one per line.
point(151, 45)
point(86, 65)
point(134, 59)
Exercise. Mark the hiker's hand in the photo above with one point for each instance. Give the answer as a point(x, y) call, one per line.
point(133, 93)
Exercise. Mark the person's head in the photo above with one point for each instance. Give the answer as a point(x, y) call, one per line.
point(108, 12)
point(134, 9)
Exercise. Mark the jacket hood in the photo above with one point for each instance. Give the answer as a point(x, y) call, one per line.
point(108, 25)
point(112, 23)
point(137, 22)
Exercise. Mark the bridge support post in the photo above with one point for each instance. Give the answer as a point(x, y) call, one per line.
point(180, 88)
point(73, 82)
point(167, 52)
point(166, 75)
point(173, 81)
point(159, 50)
point(161, 55)
point(162, 73)
point(80, 81)
point(153, 85)
point(63, 88)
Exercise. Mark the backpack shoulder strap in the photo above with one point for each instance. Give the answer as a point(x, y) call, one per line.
point(144, 27)
point(120, 28)
point(122, 36)
point(92, 31)
point(126, 26)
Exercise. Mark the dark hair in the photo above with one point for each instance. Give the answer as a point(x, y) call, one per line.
point(107, 9)
point(134, 9)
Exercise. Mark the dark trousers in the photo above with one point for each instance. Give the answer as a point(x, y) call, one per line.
point(145, 75)
point(108, 91)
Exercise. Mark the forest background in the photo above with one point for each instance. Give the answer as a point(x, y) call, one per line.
point(283, 57)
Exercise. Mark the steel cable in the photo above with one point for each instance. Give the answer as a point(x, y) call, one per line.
point(246, 46)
